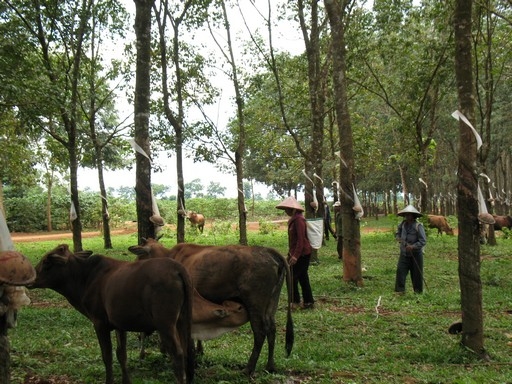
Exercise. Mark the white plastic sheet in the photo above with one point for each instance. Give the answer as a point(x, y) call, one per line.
point(315, 231)
point(6, 243)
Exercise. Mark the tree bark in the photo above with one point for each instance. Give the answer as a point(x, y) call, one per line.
point(5, 350)
point(316, 86)
point(468, 239)
point(241, 142)
point(49, 187)
point(141, 109)
point(351, 234)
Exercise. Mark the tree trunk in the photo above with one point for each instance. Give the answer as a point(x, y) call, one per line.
point(468, 239)
point(5, 350)
point(351, 234)
point(313, 190)
point(180, 230)
point(49, 188)
point(142, 98)
point(405, 189)
point(107, 240)
point(242, 210)
point(76, 224)
point(241, 141)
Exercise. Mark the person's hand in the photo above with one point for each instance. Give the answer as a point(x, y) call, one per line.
point(409, 248)
point(292, 260)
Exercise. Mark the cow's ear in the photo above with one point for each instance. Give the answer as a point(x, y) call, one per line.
point(59, 252)
point(138, 250)
point(56, 258)
point(220, 313)
point(83, 254)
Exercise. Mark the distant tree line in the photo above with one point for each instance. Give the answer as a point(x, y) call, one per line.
point(25, 210)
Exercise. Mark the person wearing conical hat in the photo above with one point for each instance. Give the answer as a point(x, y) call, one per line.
point(299, 252)
point(338, 229)
point(412, 238)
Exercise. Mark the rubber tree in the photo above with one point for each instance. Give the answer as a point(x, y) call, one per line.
point(469, 226)
point(141, 118)
point(351, 234)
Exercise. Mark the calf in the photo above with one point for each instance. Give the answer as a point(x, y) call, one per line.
point(210, 320)
point(141, 296)
point(439, 222)
point(502, 222)
point(252, 276)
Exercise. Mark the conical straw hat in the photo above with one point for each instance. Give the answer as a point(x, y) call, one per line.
point(290, 202)
point(409, 209)
point(15, 269)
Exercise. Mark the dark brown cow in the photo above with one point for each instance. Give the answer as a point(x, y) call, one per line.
point(439, 222)
point(140, 296)
point(502, 222)
point(252, 275)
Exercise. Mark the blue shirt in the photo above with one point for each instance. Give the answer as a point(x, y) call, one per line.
point(411, 234)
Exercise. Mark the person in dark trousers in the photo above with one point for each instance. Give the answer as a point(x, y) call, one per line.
point(338, 227)
point(412, 238)
point(299, 252)
point(327, 222)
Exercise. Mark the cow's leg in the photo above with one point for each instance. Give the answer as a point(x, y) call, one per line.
point(171, 343)
point(142, 340)
point(105, 342)
point(259, 334)
point(199, 348)
point(271, 340)
point(121, 355)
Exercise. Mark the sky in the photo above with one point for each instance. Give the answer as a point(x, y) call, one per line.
point(286, 38)
point(88, 178)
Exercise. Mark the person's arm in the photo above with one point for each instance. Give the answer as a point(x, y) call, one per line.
point(422, 237)
point(398, 233)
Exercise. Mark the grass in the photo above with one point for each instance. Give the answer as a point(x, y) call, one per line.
point(354, 335)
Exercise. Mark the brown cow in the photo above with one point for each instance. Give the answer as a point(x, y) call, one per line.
point(439, 222)
point(252, 275)
point(502, 222)
point(210, 320)
point(140, 296)
point(196, 220)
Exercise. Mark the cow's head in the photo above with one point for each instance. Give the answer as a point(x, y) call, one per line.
point(233, 314)
point(183, 212)
point(148, 249)
point(52, 267)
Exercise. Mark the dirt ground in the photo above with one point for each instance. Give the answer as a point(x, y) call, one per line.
point(129, 228)
point(22, 237)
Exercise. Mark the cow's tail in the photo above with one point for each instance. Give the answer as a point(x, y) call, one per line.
point(290, 336)
point(281, 260)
